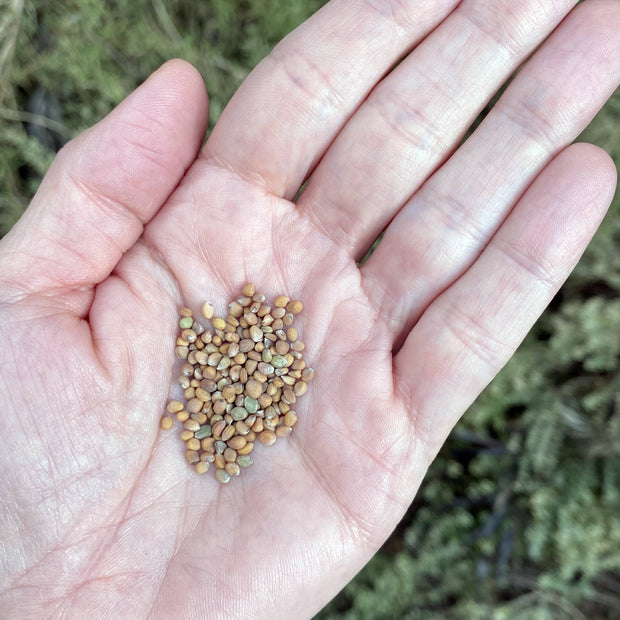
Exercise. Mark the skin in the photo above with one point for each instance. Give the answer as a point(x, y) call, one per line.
point(100, 514)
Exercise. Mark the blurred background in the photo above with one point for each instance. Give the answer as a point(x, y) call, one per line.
point(519, 515)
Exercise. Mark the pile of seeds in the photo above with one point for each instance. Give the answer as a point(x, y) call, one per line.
point(240, 381)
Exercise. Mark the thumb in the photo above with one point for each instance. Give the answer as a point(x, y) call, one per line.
point(104, 186)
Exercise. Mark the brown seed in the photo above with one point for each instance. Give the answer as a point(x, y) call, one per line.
point(250, 318)
point(283, 431)
point(253, 388)
point(191, 456)
point(278, 313)
point(277, 324)
point(294, 307)
point(208, 444)
point(174, 406)
point(246, 449)
point(189, 335)
point(219, 405)
point(189, 393)
point(284, 407)
point(181, 342)
point(235, 309)
point(258, 426)
point(264, 400)
point(194, 405)
point(228, 393)
point(256, 333)
point(242, 427)
point(200, 417)
point(282, 347)
point(207, 310)
point(201, 357)
point(185, 312)
point(300, 388)
point(182, 416)
point(191, 425)
point(218, 323)
point(166, 422)
point(222, 476)
point(246, 345)
point(291, 334)
point(202, 467)
point(307, 374)
point(203, 395)
point(288, 319)
point(267, 438)
point(290, 419)
point(228, 432)
point(181, 352)
point(288, 395)
point(237, 442)
point(264, 310)
point(266, 369)
point(248, 289)
point(281, 301)
point(183, 381)
point(230, 455)
point(186, 435)
point(233, 349)
point(193, 444)
point(218, 428)
point(220, 461)
point(232, 469)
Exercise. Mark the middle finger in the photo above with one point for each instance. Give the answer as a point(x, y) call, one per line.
point(415, 117)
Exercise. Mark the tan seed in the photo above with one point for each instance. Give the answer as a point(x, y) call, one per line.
point(246, 449)
point(166, 422)
point(288, 319)
point(186, 435)
point(294, 307)
point(278, 313)
point(283, 431)
point(218, 323)
point(222, 476)
point(264, 310)
point(182, 416)
point(191, 456)
point(288, 395)
point(208, 444)
point(307, 374)
point(228, 432)
point(220, 461)
point(267, 438)
point(237, 442)
point(282, 347)
point(242, 427)
point(207, 310)
point(193, 444)
point(202, 395)
point(300, 388)
point(189, 335)
point(256, 333)
point(181, 342)
point(185, 312)
point(290, 419)
point(194, 405)
point(235, 309)
point(218, 428)
point(246, 345)
point(281, 301)
point(298, 345)
point(250, 318)
point(202, 467)
point(258, 426)
point(253, 388)
point(248, 289)
point(181, 352)
point(208, 457)
point(232, 469)
point(174, 406)
point(230, 455)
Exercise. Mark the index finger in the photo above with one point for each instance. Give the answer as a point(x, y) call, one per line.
point(286, 113)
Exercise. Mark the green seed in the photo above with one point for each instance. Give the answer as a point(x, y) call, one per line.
point(251, 404)
point(186, 322)
point(244, 460)
point(203, 431)
point(239, 413)
point(278, 361)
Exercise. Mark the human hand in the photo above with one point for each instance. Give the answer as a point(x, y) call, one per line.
point(100, 513)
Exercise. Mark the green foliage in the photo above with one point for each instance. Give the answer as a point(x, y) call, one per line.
point(517, 518)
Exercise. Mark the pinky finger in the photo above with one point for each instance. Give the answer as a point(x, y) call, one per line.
point(472, 329)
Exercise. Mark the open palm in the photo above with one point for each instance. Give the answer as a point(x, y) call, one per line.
point(99, 511)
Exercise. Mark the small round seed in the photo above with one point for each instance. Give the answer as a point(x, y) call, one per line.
point(250, 404)
point(278, 361)
point(201, 418)
point(235, 309)
point(288, 319)
point(237, 442)
point(300, 388)
point(242, 427)
point(288, 395)
point(222, 476)
point(183, 381)
point(281, 301)
point(238, 413)
point(244, 460)
point(218, 323)
point(283, 431)
point(290, 419)
point(207, 457)
point(256, 333)
point(232, 469)
point(258, 426)
point(185, 312)
point(307, 374)
point(186, 322)
point(282, 347)
point(294, 307)
point(218, 428)
point(185, 435)
point(219, 460)
point(253, 389)
point(278, 313)
point(230, 455)
point(291, 334)
point(208, 444)
point(228, 432)
point(182, 353)
point(250, 318)
point(191, 425)
point(194, 405)
point(193, 444)
point(182, 416)
point(246, 345)
point(174, 406)
point(267, 438)
point(191, 456)
point(202, 394)
point(248, 290)
point(207, 310)
point(298, 345)
point(202, 467)
point(166, 422)
point(189, 335)
point(246, 449)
